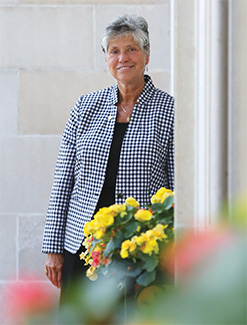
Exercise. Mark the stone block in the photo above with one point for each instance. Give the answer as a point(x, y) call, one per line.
point(46, 37)
point(46, 98)
point(91, 2)
point(27, 167)
point(161, 80)
point(9, 2)
point(158, 18)
point(31, 260)
point(8, 251)
point(8, 103)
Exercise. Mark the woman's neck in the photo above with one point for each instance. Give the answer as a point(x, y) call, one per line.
point(129, 94)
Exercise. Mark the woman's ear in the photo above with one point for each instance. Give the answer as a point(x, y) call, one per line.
point(148, 56)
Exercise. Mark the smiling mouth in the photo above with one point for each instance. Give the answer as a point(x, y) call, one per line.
point(124, 68)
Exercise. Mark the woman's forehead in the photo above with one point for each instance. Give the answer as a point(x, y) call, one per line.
point(122, 40)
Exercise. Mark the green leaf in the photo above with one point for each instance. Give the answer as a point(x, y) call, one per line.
point(168, 202)
point(141, 256)
point(157, 208)
point(115, 242)
point(165, 219)
point(126, 267)
point(131, 209)
point(133, 269)
point(94, 242)
point(126, 218)
point(146, 278)
point(130, 229)
point(151, 262)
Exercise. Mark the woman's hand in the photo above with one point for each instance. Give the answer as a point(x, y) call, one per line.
point(54, 267)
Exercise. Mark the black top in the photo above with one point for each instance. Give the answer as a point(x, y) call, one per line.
point(107, 196)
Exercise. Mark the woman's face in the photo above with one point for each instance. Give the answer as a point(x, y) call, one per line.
point(126, 60)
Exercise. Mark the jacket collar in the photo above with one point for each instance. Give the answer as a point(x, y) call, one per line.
point(144, 97)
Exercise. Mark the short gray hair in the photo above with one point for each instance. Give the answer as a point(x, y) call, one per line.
point(127, 25)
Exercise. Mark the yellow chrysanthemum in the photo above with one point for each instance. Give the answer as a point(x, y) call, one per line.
point(143, 215)
point(132, 202)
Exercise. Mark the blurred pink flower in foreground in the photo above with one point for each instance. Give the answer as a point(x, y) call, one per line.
point(193, 250)
point(26, 297)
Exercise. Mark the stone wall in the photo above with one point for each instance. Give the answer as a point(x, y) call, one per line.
point(50, 55)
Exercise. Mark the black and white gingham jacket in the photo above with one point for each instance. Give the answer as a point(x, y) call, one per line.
point(146, 160)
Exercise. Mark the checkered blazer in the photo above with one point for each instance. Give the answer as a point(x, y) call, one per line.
point(146, 160)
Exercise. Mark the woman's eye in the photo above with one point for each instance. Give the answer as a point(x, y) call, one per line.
point(132, 49)
point(114, 52)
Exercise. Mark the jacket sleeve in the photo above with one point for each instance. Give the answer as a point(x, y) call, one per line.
point(53, 240)
point(170, 159)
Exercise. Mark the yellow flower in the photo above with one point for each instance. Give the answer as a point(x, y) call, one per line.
point(123, 214)
point(161, 195)
point(117, 208)
point(143, 215)
point(103, 211)
point(91, 273)
point(88, 228)
point(126, 244)
point(87, 243)
point(124, 253)
point(163, 191)
point(105, 220)
point(150, 246)
point(83, 255)
point(87, 260)
point(141, 239)
point(132, 202)
point(126, 247)
point(132, 246)
point(158, 231)
point(148, 241)
point(99, 233)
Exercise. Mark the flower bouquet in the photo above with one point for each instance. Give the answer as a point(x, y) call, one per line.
point(125, 240)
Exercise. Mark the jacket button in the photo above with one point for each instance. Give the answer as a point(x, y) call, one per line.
point(120, 195)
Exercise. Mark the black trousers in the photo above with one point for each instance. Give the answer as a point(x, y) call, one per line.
point(73, 267)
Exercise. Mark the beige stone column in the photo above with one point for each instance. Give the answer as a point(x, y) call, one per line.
point(237, 108)
point(200, 84)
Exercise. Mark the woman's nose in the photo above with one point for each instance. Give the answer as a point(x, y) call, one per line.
point(123, 56)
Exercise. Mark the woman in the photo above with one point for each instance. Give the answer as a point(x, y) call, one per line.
point(118, 142)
